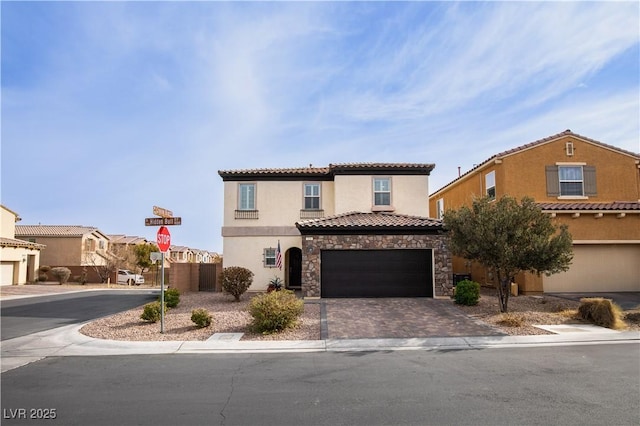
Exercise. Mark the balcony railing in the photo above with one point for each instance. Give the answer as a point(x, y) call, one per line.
point(311, 214)
point(246, 214)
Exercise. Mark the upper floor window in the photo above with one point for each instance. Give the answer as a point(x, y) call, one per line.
point(90, 244)
point(382, 191)
point(571, 180)
point(490, 184)
point(247, 196)
point(312, 196)
point(440, 208)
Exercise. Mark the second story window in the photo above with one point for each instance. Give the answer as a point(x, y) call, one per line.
point(571, 182)
point(382, 191)
point(440, 208)
point(490, 184)
point(311, 196)
point(247, 196)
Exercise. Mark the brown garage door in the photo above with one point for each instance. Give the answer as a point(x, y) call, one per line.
point(376, 273)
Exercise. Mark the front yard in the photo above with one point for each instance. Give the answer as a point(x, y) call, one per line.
point(232, 317)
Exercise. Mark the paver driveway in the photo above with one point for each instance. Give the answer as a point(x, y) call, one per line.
point(400, 318)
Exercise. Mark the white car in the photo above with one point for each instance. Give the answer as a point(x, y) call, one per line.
point(128, 277)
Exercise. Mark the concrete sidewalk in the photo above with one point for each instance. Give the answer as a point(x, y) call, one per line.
point(68, 341)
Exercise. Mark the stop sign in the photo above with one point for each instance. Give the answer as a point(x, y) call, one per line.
point(163, 239)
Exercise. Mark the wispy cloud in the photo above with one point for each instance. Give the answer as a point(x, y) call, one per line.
point(144, 102)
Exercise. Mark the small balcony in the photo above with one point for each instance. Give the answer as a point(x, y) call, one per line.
point(246, 214)
point(311, 214)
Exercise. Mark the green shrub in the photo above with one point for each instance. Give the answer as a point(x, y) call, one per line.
point(201, 317)
point(171, 297)
point(602, 312)
point(61, 274)
point(44, 269)
point(467, 293)
point(151, 312)
point(236, 280)
point(43, 277)
point(275, 311)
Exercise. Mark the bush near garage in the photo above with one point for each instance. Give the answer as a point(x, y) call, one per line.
point(602, 312)
point(275, 311)
point(201, 318)
point(236, 280)
point(61, 274)
point(467, 293)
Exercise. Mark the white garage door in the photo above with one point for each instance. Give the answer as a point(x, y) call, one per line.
point(6, 273)
point(599, 268)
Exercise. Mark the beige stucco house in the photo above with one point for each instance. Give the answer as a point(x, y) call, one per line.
point(68, 245)
point(314, 226)
point(19, 259)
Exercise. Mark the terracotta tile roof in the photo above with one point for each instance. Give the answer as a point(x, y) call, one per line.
point(10, 242)
point(536, 143)
point(613, 206)
point(361, 220)
point(328, 172)
point(54, 230)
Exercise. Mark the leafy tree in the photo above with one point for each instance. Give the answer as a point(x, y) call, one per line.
point(143, 255)
point(509, 238)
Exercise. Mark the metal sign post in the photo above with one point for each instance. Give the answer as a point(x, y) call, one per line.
point(162, 298)
point(163, 239)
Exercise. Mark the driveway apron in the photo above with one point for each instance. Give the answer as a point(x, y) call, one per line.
point(400, 318)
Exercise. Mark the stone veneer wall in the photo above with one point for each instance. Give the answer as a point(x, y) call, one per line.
point(313, 244)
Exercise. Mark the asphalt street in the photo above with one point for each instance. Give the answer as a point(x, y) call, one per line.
point(571, 385)
point(21, 317)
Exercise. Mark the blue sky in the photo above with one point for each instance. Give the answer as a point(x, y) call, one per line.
point(111, 108)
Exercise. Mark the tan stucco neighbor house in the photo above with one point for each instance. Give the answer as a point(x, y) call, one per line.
point(346, 230)
point(19, 259)
point(68, 245)
point(592, 187)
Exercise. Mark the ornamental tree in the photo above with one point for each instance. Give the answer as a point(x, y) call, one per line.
point(508, 238)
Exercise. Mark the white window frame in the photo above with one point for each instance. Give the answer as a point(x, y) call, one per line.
point(440, 208)
point(571, 181)
point(311, 196)
point(269, 257)
point(250, 204)
point(381, 191)
point(490, 184)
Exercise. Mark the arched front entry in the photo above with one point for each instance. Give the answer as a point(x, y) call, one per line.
point(293, 261)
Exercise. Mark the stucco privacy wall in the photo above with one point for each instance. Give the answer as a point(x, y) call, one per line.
point(312, 245)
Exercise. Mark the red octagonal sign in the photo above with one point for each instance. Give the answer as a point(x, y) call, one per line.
point(163, 239)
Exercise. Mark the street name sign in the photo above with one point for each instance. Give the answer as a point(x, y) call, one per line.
point(159, 211)
point(162, 221)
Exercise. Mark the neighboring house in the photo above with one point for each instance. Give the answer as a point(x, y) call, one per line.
point(181, 254)
point(346, 230)
point(68, 245)
point(592, 187)
point(126, 240)
point(19, 259)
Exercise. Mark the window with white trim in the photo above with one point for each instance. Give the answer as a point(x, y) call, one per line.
point(490, 184)
point(571, 181)
point(247, 196)
point(440, 208)
point(312, 196)
point(382, 191)
point(269, 256)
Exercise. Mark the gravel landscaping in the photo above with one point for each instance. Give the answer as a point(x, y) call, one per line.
point(232, 317)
